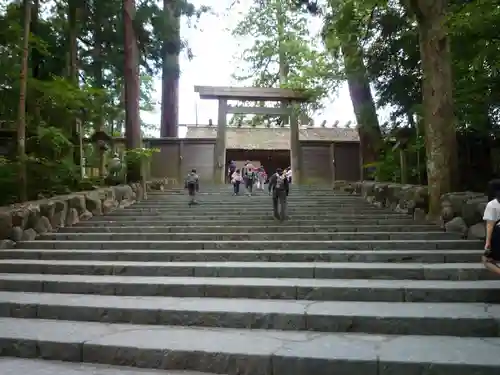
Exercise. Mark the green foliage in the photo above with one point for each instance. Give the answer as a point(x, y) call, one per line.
point(89, 93)
point(283, 54)
point(140, 155)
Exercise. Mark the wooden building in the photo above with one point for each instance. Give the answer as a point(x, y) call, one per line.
point(315, 154)
point(270, 147)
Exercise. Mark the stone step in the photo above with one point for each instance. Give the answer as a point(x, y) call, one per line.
point(220, 211)
point(13, 366)
point(257, 245)
point(260, 196)
point(304, 270)
point(264, 215)
point(304, 203)
point(260, 202)
point(389, 256)
point(483, 291)
point(244, 351)
point(155, 221)
point(251, 229)
point(257, 199)
point(245, 236)
point(254, 209)
point(393, 318)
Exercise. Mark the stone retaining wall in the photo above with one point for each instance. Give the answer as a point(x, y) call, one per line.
point(25, 221)
point(460, 212)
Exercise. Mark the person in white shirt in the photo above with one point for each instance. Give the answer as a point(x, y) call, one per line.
point(288, 173)
point(491, 256)
point(236, 180)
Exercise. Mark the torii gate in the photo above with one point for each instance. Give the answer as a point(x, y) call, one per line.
point(290, 99)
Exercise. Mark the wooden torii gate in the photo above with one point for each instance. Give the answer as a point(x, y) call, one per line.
point(289, 100)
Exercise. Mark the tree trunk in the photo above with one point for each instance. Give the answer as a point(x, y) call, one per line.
point(76, 130)
point(170, 72)
point(363, 104)
point(21, 125)
point(132, 89)
point(98, 76)
point(284, 68)
point(36, 59)
point(439, 119)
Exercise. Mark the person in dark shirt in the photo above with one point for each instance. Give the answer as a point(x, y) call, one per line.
point(279, 188)
point(192, 184)
point(231, 169)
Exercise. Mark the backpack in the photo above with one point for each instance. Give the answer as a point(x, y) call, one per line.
point(249, 173)
point(494, 251)
point(280, 182)
point(191, 179)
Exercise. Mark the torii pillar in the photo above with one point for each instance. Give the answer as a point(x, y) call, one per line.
point(220, 144)
point(295, 152)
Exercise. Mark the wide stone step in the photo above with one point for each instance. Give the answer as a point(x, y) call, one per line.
point(241, 221)
point(484, 291)
point(237, 351)
point(262, 216)
point(257, 245)
point(258, 215)
point(251, 202)
point(13, 366)
point(389, 256)
point(251, 229)
point(306, 270)
point(245, 236)
point(393, 318)
point(215, 210)
point(258, 203)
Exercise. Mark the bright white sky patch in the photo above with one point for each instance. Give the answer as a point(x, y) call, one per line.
point(215, 50)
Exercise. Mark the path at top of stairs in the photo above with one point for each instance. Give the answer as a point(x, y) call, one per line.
point(221, 288)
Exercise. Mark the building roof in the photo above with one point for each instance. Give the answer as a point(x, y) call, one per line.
point(250, 93)
point(272, 138)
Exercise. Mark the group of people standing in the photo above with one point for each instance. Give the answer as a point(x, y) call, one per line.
point(250, 176)
point(278, 184)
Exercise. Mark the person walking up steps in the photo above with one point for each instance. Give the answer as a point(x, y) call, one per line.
point(192, 184)
point(279, 189)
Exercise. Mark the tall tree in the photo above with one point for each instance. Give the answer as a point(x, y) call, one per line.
point(132, 88)
point(170, 69)
point(343, 31)
point(284, 53)
point(437, 88)
point(21, 126)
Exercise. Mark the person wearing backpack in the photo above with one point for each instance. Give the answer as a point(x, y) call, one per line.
point(279, 188)
point(192, 184)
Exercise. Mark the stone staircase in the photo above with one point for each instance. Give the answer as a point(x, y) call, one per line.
point(342, 288)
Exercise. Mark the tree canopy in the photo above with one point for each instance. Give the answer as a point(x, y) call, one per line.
point(73, 68)
point(431, 66)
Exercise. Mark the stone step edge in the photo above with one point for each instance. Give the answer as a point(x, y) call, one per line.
point(195, 222)
point(260, 241)
point(11, 365)
point(222, 234)
point(275, 314)
point(225, 350)
point(270, 252)
point(368, 284)
point(256, 264)
point(290, 225)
